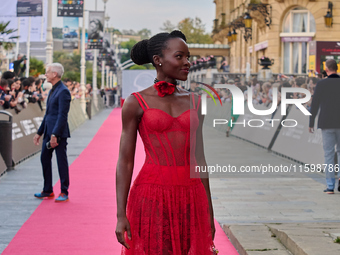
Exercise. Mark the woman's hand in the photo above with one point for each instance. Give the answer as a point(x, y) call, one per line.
point(122, 226)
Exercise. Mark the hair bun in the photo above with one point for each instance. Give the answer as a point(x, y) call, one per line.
point(178, 33)
point(139, 53)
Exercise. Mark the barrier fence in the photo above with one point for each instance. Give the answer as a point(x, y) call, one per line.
point(26, 123)
point(267, 131)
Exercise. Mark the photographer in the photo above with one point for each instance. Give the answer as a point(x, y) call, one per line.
point(18, 69)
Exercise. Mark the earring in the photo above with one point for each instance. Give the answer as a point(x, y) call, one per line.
point(160, 64)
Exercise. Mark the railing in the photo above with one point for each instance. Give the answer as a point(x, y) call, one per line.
point(26, 123)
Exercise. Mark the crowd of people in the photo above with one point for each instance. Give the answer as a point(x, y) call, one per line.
point(18, 92)
point(263, 91)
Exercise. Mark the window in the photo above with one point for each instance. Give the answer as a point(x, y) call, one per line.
point(298, 23)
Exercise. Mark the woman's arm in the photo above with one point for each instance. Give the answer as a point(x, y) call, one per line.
point(131, 113)
point(200, 157)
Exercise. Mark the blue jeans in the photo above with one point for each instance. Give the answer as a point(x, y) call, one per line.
point(330, 138)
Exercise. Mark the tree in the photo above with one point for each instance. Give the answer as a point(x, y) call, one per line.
point(194, 31)
point(127, 45)
point(137, 67)
point(70, 61)
point(128, 32)
point(113, 30)
point(37, 67)
point(168, 26)
point(144, 33)
point(6, 41)
point(89, 75)
point(57, 33)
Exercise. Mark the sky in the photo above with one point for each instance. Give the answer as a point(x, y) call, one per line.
point(150, 14)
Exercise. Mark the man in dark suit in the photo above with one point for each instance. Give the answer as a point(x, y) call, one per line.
point(56, 131)
point(327, 98)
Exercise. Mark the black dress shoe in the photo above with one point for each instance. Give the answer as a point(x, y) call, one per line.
point(329, 191)
point(44, 195)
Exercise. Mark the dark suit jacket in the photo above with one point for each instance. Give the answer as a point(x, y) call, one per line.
point(327, 98)
point(55, 119)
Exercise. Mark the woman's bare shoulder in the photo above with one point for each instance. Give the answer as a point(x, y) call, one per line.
point(131, 107)
point(146, 92)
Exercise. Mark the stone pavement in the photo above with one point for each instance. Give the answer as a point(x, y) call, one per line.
point(270, 214)
point(17, 187)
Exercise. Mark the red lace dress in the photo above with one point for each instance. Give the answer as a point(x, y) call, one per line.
point(168, 211)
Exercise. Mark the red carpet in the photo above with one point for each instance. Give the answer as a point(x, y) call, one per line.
point(85, 225)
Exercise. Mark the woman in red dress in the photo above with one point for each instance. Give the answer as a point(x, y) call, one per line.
point(165, 212)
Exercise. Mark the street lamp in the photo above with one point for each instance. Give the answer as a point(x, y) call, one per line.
point(247, 20)
point(247, 26)
point(230, 38)
point(234, 35)
point(329, 16)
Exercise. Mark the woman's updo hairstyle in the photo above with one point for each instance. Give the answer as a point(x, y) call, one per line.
point(143, 51)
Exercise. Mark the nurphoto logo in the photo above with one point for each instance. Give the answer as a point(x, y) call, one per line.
point(238, 103)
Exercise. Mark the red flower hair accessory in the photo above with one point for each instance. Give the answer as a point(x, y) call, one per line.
point(164, 88)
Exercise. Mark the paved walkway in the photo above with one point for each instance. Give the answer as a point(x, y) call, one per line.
point(257, 209)
point(17, 187)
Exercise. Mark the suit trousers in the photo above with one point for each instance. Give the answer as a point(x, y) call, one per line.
point(46, 162)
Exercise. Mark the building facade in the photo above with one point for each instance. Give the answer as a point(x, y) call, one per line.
point(287, 32)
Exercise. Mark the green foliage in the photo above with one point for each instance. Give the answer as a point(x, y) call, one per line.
point(70, 61)
point(72, 75)
point(37, 67)
point(89, 75)
point(113, 30)
point(137, 67)
point(4, 32)
point(127, 45)
point(194, 31)
point(144, 33)
point(128, 32)
point(149, 67)
point(142, 67)
point(168, 26)
point(57, 33)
